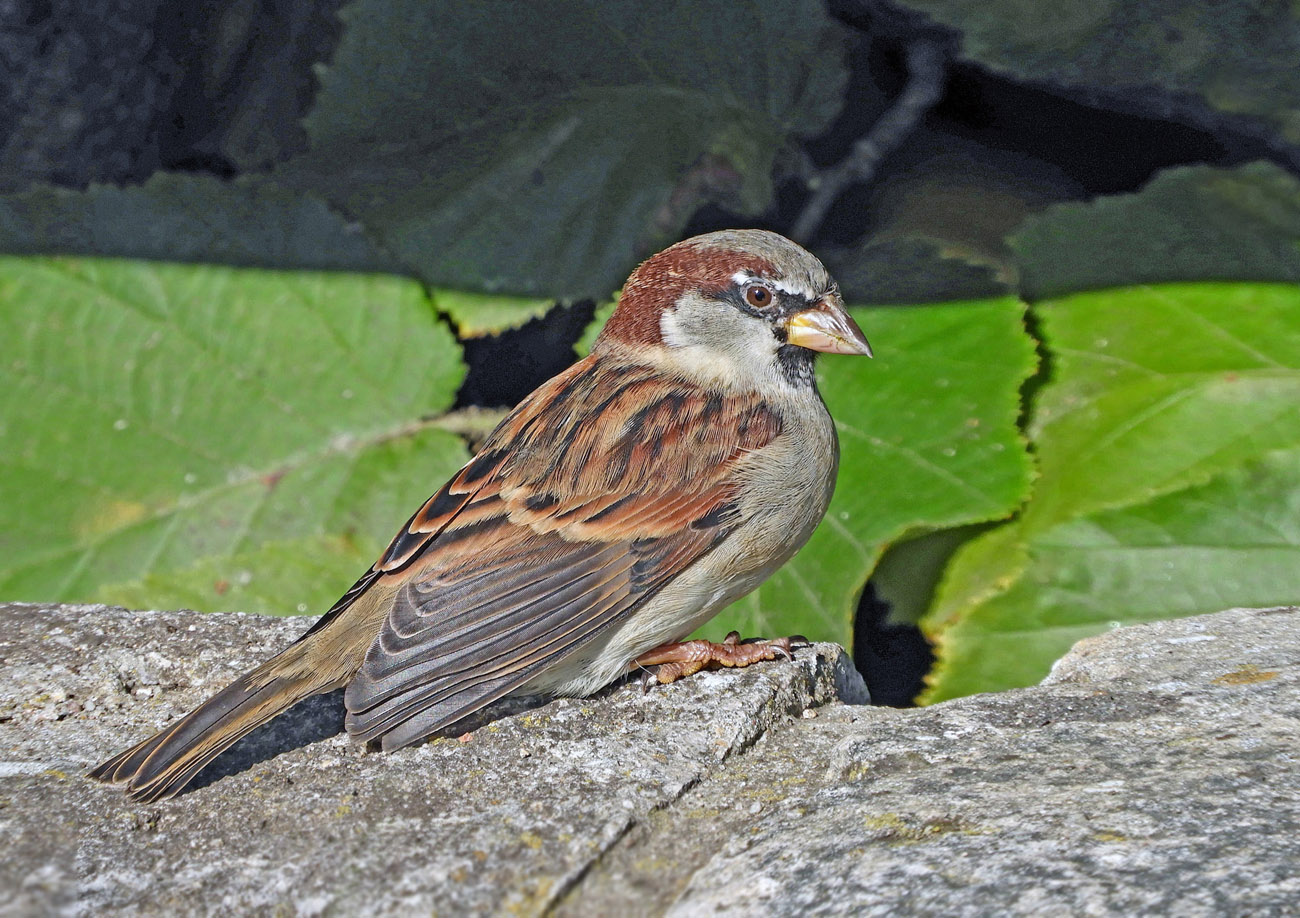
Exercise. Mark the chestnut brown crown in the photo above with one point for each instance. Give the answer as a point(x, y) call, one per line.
point(739, 273)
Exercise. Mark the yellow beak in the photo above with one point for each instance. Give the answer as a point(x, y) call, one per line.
point(826, 326)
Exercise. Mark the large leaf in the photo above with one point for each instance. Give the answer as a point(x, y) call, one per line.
point(250, 222)
point(1156, 388)
point(157, 417)
point(176, 217)
point(545, 157)
point(1232, 542)
point(1229, 62)
point(1195, 223)
point(1162, 400)
point(294, 576)
point(928, 439)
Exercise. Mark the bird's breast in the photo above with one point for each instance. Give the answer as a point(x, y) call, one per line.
point(788, 484)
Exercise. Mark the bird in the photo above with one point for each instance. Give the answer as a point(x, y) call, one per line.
point(610, 514)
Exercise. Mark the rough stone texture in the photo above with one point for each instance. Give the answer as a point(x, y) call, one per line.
point(502, 821)
point(1155, 772)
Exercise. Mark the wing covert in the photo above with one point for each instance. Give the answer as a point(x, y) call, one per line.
point(559, 529)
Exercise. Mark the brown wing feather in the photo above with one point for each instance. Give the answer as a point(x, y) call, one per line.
point(557, 530)
point(421, 529)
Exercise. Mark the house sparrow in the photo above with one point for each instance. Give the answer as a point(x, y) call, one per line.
point(617, 508)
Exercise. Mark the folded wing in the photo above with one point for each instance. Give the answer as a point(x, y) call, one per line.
point(557, 530)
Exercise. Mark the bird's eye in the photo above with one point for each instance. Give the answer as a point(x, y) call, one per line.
point(758, 296)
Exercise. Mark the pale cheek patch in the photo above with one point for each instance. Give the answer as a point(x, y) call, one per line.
point(685, 355)
point(670, 329)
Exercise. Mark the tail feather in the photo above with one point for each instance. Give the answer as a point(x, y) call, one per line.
point(164, 763)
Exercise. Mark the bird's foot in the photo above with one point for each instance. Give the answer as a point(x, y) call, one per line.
point(673, 661)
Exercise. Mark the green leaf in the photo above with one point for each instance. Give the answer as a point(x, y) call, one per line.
point(160, 417)
point(249, 223)
point(1232, 542)
point(1161, 400)
point(928, 439)
point(293, 577)
point(1194, 223)
point(979, 569)
point(480, 314)
point(1204, 62)
point(582, 347)
point(1157, 388)
point(547, 157)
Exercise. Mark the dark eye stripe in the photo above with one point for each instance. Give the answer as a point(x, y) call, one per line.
point(779, 305)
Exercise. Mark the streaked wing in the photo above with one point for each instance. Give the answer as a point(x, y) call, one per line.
point(556, 530)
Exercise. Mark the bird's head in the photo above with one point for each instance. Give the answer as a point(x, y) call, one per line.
point(735, 306)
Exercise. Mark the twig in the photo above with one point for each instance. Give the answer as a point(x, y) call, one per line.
point(925, 78)
point(474, 424)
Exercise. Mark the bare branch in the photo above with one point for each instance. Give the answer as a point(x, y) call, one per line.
point(925, 79)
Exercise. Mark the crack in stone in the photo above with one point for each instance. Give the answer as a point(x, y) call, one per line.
point(773, 712)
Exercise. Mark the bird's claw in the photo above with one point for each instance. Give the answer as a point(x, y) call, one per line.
point(673, 661)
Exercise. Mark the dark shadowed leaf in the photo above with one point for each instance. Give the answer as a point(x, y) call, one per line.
point(175, 217)
point(546, 157)
point(1229, 62)
point(911, 271)
point(256, 64)
point(1195, 223)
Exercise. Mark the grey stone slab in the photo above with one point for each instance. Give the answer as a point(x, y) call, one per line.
point(298, 820)
point(1156, 772)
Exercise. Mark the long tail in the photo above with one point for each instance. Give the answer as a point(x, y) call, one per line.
point(162, 765)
